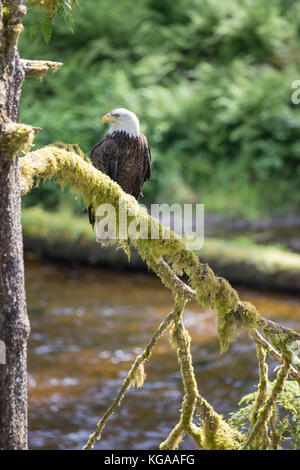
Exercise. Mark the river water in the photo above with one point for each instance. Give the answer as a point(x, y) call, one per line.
point(87, 326)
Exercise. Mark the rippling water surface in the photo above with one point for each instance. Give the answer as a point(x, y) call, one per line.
point(88, 324)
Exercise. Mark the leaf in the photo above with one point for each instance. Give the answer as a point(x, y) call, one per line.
point(46, 29)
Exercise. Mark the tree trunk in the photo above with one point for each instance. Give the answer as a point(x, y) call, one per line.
point(14, 325)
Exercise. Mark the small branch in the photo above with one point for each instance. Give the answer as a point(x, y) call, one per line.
point(218, 435)
point(174, 438)
point(39, 68)
point(177, 286)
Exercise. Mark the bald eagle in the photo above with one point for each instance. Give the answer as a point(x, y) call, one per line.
point(124, 154)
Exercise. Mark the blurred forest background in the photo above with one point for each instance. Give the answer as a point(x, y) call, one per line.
point(210, 81)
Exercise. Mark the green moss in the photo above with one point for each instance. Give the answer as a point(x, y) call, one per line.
point(216, 293)
point(258, 435)
point(196, 433)
point(6, 14)
point(60, 226)
point(95, 188)
point(228, 328)
point(263, 385)
point(215, 433)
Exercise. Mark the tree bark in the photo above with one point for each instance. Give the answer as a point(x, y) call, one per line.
point(14, 325)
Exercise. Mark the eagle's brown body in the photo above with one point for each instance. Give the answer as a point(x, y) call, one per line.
point(124, 159)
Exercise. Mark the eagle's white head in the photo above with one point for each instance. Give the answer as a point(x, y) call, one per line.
point(122, 120)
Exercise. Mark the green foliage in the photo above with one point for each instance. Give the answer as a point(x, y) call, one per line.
point(287, 413)
point(59, 226)
point(210, 82)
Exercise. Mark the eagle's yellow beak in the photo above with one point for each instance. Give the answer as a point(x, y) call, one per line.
point(108, 118)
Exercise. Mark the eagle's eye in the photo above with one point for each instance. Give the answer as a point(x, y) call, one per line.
point(116, 115)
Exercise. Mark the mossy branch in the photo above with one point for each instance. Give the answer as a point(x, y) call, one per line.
point(50, 6)
point(132, 378)
point(263, 382)
point(218, 434)
point(214, 432)
point(180, 339)
point(259, 339)
point(169, 258)
point(15, 138)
